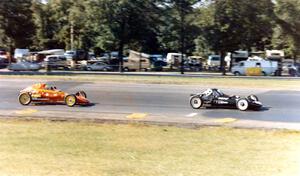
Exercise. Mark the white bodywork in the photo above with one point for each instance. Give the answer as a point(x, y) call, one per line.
point(175, 58)
point(53, 52)
point(214, 60)
point(20, 53)
point(268, 67)
point(275, 54)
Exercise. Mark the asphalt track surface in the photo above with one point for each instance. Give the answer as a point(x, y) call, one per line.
point(170, 100)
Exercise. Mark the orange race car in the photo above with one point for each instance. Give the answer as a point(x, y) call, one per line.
point(42, 93)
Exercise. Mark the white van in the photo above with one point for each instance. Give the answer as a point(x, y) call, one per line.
point(255, 68)
point(174, 59)
point(214, 62)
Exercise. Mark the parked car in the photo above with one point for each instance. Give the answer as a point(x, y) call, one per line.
point(24, 66)
point(157, 62)
point(56, 62)
point(195, 62)
point(99, 66)
point(3, 62)
point(3, 54)
point(290, 67)
point(255, 68)
point(214, 62)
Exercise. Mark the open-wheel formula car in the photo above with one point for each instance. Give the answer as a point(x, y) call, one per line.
point(216, 98)
point(42, 93)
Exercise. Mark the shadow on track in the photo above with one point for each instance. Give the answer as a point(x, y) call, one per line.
point(234, 108)
point(46, 104)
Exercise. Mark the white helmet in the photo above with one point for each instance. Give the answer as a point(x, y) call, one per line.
point(208, 92)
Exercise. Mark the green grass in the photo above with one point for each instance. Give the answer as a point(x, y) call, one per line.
point(293, 84)
point(66, 149)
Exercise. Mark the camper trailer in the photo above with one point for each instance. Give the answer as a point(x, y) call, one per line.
point(136, 61)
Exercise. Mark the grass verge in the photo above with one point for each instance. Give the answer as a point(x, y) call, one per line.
point(289, 84)
point(47, 148)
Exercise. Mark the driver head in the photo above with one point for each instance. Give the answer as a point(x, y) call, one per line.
point(208, 92)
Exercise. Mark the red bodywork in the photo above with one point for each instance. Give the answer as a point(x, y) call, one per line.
point(42, 93)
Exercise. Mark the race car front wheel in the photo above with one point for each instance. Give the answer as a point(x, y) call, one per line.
point(70, 100)
point(25, 98)
point(253, 97)
point(242, 104)
point(196, 102)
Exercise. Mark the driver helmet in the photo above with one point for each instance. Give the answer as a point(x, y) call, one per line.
point(208, 92)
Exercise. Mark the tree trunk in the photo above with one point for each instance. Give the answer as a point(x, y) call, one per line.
point(120, 55)
point(182, 36)
point(121, 46)
point(223, 69)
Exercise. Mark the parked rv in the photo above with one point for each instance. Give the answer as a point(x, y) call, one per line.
point(239, 55)
point(136, 61)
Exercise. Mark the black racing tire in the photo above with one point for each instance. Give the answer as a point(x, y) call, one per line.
point(70, 100)
point(242, 104)
point(253, 97)
point(126, 69)
point(81, 93)
point(264, 73)
point(196, 102)
point(25, 98)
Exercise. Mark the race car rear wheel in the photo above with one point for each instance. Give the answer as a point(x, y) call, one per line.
point(196, 102)
point(25, 99)
point(253, 97)
point(70, 100)
point(81, 93)
point(242, 104)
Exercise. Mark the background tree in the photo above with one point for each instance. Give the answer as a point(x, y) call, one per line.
point(238, 25)
point(130, 23)
point(287, 35)
point(16, 24)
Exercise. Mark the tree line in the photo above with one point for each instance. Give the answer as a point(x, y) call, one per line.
point(152, 26)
